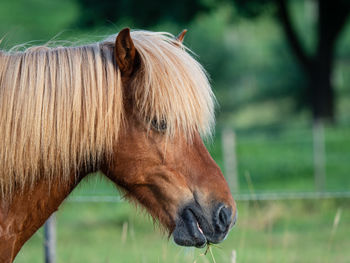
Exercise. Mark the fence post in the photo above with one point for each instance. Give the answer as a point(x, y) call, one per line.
point(50, 239)
point(319, 154)
point(233, 256)
point(230, 161)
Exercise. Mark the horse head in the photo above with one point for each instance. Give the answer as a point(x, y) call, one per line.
point(160, 159)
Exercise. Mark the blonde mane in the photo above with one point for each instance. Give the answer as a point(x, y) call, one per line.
point(61, 108)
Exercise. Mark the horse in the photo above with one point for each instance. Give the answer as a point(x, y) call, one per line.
point(135, 106)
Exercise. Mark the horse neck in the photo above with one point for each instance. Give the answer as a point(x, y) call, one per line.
point(27, 212)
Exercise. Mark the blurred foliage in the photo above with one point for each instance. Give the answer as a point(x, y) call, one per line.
point(328, 19)
point(34, 20)
point(142, 13)
point(253, 8)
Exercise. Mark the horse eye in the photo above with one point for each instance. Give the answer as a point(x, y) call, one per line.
point(159, 125)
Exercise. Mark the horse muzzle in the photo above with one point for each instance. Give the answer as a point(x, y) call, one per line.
point(195, 227)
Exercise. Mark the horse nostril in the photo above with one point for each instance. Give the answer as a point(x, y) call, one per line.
point(223, 219)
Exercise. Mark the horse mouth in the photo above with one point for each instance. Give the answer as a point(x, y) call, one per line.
point(196, 228)
point(188, 230)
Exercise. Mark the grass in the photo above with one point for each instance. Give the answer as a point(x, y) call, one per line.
point(274, 231)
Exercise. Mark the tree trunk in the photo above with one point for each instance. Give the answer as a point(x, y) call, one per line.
point(321, 89)
point(318, 67)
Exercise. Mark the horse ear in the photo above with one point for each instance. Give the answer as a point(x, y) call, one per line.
point(125, 52)
point(181, 36)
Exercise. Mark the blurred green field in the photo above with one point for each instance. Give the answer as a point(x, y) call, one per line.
point(274, 231)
